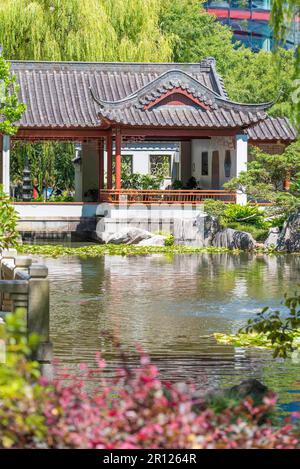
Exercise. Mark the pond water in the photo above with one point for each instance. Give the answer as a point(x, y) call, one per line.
point(172, 305)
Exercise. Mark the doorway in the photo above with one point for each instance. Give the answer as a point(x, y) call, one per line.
point(215, 171)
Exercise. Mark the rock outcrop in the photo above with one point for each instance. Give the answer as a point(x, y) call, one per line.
point(289, 238)
point(272, 239)
point(233, 239)
point(125, 236)
point(156, 240)
point(249, 388)
point(198, 231)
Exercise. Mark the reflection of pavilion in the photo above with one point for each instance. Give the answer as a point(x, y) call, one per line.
point(170, 306)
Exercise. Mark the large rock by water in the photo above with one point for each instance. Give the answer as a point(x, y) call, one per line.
point(126, 236)
point(249, 388)
point(156, 240)
point(273, 237)
point(233, 239)
point(198, 231)
point(289, 238)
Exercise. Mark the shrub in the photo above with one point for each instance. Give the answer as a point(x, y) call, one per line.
point(169, 241)
point(248, 214)
point(259, 234)
point(8, 222)
point(135, 409)
point(215, 208)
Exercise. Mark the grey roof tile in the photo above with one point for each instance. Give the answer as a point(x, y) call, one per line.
point(57, 95)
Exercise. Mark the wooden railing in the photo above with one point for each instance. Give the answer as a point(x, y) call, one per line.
point(149, 197)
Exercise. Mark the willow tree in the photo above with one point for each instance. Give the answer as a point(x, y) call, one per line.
point(283, 14)
point(87, 30)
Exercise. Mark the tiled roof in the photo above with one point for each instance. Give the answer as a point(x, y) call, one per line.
point(81, 95)
point(273, 129)
point(212, 110)
point(57, 94)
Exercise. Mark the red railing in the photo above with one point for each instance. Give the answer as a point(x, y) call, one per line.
point(149, 197)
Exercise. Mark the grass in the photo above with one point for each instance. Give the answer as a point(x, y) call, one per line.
point(114, 250)
point(259, 234)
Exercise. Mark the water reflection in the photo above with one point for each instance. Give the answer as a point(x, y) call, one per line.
point(171, 305)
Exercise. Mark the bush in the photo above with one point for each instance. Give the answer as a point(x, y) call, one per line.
point(248, 214)
point(8, 222)
point(249, 218)
point(259, 234)
point(135, 409)
point(215, 208)
point(141, 181)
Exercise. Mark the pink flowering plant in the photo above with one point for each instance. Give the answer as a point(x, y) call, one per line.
point(134, 409)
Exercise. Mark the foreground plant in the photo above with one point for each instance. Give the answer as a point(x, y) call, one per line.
point(135, 409)
point(8, 222)
point(270, 329)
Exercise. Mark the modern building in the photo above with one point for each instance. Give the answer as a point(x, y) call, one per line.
point(250, 22)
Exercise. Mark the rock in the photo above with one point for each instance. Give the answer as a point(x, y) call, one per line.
point(157, 240)
point(127, 236)
point(198, 231)
point(233, 239)
point(289, 238)
point(250, 387)
point(272, 239)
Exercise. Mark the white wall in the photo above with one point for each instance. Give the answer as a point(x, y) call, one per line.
point(141, 152)
point(221, 144)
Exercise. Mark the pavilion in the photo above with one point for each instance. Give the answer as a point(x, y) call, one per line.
point(106, 106)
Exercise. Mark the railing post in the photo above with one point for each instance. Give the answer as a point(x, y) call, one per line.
point(38, 301)
point(7, 256)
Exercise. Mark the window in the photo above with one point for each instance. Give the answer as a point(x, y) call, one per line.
point(204, 163)
point(160, 165)
point(227, 163)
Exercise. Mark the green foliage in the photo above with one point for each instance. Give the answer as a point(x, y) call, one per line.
point(113, 250)
point(249, 214)
point(8, 222)
point(50, 165)
point(141, 181)
point(215, 208)
point(21, 395)
point(243, 339)
point(259, 233)
point(169, 241)
point(11, 109)
point(282, 13)
point(176, 185)
point(263, 180)
point(88, 30)
point(249, 77)
point(281, 330)
point(249, 218)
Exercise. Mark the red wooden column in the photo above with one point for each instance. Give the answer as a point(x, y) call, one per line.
point(118, 160)
point(109, 160)
point(101, 166)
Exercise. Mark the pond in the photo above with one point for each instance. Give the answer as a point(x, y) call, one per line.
point(172, 305)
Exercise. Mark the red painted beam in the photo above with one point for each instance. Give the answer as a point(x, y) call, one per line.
point(59, 134)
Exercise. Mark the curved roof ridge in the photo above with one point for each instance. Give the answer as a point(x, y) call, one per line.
point(133, 95)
